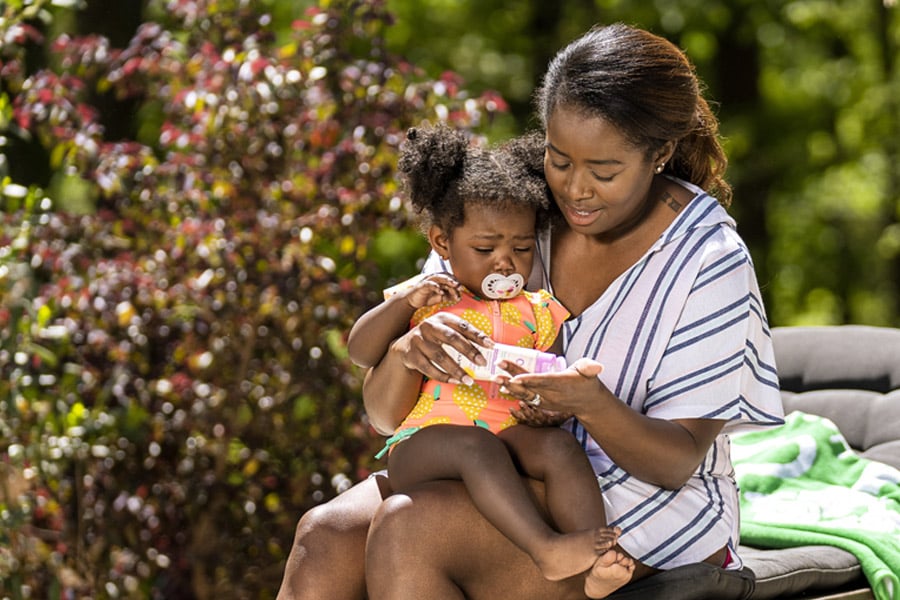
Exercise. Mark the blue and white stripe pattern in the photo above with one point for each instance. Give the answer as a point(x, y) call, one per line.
point(682, 334)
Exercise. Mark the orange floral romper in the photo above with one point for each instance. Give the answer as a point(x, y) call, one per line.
point(529, 320)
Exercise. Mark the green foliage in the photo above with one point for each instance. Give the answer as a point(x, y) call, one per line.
point(806, 91)
point(174, 386)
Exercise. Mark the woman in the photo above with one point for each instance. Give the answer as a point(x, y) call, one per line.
point(668, 341)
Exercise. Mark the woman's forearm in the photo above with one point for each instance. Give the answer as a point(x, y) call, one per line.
point(391, 388)
point(390, 391)
point(665, 453)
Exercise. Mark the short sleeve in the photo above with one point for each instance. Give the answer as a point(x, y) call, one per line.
point(549, 315)
point(719, 362)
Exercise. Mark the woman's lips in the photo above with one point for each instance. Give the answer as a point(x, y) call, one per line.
point(577, 216)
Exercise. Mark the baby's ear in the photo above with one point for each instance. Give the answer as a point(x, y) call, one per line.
point(440, 241)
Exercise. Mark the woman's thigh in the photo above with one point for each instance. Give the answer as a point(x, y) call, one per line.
point(327, 559)
point(433, 543)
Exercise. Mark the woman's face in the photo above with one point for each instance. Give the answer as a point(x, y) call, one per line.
point(599, 180)
point(489, 241)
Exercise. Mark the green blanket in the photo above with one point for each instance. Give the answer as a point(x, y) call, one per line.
point(801, 484)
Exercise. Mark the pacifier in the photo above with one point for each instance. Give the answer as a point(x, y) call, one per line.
point(500, 287)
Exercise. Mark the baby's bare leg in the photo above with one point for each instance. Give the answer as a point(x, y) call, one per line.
point(552, 455)
point(482, 462)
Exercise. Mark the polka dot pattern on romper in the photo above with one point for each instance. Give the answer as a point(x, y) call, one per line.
point(426, 311)
point(526, 341)
point(508, 423)
point(545, 325)
point(471, 399)
point(510, 314)
point(424, 404)
point(436, 421)
point(481, 321)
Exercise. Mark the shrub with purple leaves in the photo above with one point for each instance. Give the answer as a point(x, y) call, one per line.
point(174, 386)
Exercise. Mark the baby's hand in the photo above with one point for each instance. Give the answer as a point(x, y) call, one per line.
point(432, 290)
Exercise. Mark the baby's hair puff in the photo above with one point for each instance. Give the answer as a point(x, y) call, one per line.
point(443, 170)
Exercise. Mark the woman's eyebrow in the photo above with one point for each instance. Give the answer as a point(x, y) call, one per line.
point(593, 161)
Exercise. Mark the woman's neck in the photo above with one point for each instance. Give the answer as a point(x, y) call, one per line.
point(583, 266)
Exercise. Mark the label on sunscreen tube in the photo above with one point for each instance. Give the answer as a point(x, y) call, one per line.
point(533, 361)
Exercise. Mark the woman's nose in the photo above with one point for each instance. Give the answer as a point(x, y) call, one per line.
point(577, 185)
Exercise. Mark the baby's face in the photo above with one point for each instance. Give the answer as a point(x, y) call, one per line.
point(493, 242)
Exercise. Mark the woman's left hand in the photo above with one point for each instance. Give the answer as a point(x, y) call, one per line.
point(565, 393)
point(535, 416)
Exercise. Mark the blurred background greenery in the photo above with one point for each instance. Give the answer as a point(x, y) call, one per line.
point(197, 199)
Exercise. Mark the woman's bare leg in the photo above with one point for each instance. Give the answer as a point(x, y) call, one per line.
point(327, 559)
point(481, 460)
point(433, 543)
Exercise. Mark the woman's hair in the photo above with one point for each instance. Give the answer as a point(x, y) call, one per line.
point(442, 172)
point(646, 87)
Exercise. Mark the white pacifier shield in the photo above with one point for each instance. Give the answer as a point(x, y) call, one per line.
point(500, 287)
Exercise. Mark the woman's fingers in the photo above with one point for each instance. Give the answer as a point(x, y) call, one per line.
point(587, 367)
point(538, 417)
point(425, 350)
point(564, 391)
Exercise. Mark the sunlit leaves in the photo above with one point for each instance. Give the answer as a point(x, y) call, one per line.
point(175, 303)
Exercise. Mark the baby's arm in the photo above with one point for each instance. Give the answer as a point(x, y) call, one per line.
point(374, 331)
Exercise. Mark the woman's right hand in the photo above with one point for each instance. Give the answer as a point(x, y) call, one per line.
point(391, 387)
point(421, 348)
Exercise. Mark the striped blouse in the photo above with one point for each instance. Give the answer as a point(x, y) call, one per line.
point(681, 334)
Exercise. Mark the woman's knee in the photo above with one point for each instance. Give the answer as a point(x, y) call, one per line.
point(398, 525)
point(327, 559)
point(317, 524)
point(394, 522)
point(340, 523)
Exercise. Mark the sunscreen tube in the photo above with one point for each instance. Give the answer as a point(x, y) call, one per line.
point(533, 361)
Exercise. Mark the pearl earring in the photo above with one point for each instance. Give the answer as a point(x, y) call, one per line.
point(660, 167)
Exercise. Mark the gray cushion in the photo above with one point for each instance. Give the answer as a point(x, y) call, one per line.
point(856, 357)
point(851, 375)
point(790, 571)
point(868, 420)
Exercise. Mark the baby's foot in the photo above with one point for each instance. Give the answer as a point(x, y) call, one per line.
point(574, 553)
point(606, 538)
point(611, 571)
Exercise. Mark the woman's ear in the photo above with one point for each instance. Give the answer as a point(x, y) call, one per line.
point(665, 153)
point(440, 241)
